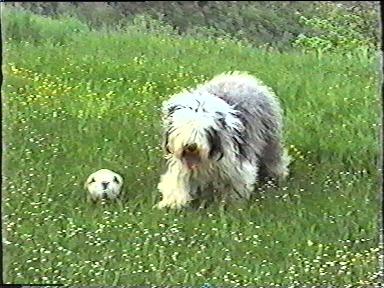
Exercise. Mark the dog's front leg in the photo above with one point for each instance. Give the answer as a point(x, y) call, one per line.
point(175, 188)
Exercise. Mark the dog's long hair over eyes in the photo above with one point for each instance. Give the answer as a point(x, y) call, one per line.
point(198, 122)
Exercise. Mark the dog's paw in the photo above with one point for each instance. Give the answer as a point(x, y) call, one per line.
point(160, 205)
point(171, 204)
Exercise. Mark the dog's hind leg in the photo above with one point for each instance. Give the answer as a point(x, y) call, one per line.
point(274, 162)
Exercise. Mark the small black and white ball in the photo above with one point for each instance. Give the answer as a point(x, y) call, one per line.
point(222, 136)
point(103, 184)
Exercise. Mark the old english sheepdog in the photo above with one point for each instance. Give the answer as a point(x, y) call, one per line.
point(223, 136)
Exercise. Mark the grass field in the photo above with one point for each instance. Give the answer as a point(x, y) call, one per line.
point(93, 102)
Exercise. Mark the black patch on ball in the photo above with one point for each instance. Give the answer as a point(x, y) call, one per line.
point(116, 180)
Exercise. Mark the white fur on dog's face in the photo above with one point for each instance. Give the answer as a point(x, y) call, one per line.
point(104, 184)
point(192, 125)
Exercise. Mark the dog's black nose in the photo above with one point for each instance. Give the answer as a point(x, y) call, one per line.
point(105, 185)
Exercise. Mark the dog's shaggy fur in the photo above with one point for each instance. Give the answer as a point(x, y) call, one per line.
point(222, 136)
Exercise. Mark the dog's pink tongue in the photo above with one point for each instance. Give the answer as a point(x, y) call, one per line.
point(192, 160)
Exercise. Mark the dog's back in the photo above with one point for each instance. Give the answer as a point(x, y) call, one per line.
point(259, 107)
point(250, 96)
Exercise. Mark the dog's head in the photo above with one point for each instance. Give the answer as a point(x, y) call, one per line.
point(194, 129)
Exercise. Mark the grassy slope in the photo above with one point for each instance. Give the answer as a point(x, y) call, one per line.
point(94, 103)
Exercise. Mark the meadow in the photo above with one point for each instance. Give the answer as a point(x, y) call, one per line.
point(93, 102)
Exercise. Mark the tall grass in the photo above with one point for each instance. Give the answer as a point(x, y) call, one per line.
point(93, 102)
point(22, 25)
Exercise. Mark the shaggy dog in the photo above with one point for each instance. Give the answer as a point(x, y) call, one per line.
point(221, 137)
